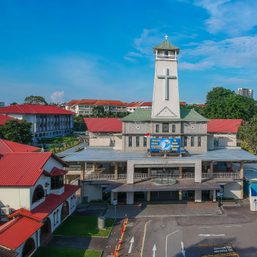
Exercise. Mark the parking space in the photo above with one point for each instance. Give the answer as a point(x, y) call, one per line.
point(191, 237)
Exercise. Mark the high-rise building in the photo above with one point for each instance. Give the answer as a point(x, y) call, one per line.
point(248, 92)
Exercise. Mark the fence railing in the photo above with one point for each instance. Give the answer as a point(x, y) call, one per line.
point(222, 175)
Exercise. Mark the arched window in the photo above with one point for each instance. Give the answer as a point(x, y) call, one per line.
point(29, 247)
point(38, 194)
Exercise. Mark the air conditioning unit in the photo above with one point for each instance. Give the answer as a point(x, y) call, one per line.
point(6, 210)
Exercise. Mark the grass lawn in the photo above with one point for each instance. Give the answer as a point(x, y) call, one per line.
point(65, 252)
point(81, 226)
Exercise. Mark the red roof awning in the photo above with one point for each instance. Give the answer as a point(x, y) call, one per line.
point(52, 201)
point(56, 172)
point(224, 125)
point(103, 125)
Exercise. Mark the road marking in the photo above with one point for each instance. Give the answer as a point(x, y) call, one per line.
point(231, 226)
point(143, 243)
point(166, 249)
point(154, 250)
point(209, 235)
point(131, 244)
point(183, 249)
point(204, 227)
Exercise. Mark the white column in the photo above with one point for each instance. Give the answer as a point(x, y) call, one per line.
point(116, 168)
point(198, 196)
point(180, 196)
point(130, 172)
point(198, 171)
point(148, 196)
point(130, 197)
point(114, 196)
point(214, 195)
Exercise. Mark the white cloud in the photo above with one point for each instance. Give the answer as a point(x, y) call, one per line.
point(237, 52)
point(143, 45)
point(57, 97)
point(229, 16)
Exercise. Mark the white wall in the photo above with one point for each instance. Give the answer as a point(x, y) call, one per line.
point(92, 192)
point(15, 197)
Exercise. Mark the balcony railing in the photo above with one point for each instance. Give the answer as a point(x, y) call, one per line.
point(222, 175)
point(145, 176)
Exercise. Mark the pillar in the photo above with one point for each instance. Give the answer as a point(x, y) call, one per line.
point(130, 172)
point(198, 196)
point(211, 168)
point(198, 171)
point(180, 195)
point(148, 196)
point(116, 169)
point(241, 173)
point(130, 197)
point(180, 172)
point(83, 170)
point(94, 166)
point(214, 195)
point(114, 196)
point(149, 172)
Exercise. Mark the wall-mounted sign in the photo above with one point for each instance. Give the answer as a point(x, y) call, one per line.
point(167, 145)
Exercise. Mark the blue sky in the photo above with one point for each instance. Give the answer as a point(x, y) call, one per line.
point(67, 50)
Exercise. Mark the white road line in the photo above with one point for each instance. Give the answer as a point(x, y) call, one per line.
point(143, 243)
point(183, 249)
point(131, 244)
point(232, 226)
point(210, 235)
point(154, 250)
point(167, 236)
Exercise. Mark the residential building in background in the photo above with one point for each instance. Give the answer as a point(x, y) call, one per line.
point(86, 107)
point(248, 92)
point(47, 121)
point(34, 198)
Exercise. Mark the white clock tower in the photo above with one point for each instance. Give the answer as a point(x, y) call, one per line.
point(165, 93)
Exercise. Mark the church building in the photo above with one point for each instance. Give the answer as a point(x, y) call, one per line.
point(165, 155)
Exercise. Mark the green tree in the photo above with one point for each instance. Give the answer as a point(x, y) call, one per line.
point(33, 99)
point(17, 131)
point(222, 103)
point(248, 135)
point(98, 111)
point(79, 124)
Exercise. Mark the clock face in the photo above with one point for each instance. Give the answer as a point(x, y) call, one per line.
point(165, 145)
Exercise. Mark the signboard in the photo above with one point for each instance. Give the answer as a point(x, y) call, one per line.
point(165, 145)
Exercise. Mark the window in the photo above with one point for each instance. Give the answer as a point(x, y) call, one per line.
point(165, 127)
point(38, 194)
point(145, 142)
point(185, 141)
point(130, 141)
point(157, 128)
point(56, 182)
point(192, 141)
point(173, 128)
point(199, 141)
point(137, 141)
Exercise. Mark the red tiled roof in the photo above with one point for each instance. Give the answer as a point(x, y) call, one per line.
point(52, 201)
point(57, 172)
point(4, 118)
point(103, 124)
point(224, 125)
point(15, 232)
point(7, 146)
point(96, 102)
point(33, 109)
point(22, 169)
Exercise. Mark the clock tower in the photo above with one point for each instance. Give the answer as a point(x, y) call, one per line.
point(165, 93)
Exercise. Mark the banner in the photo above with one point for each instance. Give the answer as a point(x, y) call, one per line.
point(167, 145)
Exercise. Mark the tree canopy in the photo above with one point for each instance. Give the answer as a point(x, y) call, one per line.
point(33, 99)
point(17, 131)
point(222, 103)
point(248, 135)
